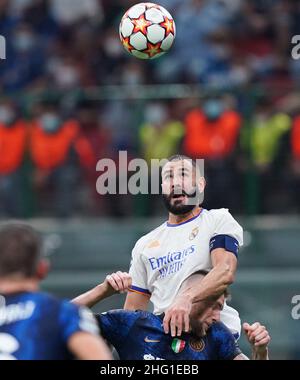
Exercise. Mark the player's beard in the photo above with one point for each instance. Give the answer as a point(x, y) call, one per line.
point(181, 208)
point(198, 329)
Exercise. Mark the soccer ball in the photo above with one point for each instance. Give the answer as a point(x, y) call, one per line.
point(147, 30)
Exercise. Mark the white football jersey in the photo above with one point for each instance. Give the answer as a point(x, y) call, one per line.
point(168, 255)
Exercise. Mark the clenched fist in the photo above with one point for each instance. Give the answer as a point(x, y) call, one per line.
point(258, 336)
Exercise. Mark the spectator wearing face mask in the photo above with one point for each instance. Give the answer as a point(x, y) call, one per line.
point(265, 141)
point(58, 150)
point(99, 136)
point(13, 131)
point(211, 133)
point(159, 135)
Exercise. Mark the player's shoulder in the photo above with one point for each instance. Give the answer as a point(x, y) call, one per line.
point(37, 300)
point(72, 311)
point(217, 213)
point(62, 305)
point(122, 314)
point(43, 297)
point(225, 343)
point(118, 312)
point(123, 317)
point(143, 240)
point(218, 331)
point(47, 304)
point(52, 299)
point(127, 313)
point(219, 216)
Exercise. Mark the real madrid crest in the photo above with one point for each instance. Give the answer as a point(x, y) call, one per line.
point(194, 233)
point(197, 344)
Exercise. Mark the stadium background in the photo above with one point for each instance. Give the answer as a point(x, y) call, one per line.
point(231, 62)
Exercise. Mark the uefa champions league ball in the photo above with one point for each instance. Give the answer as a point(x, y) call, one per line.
point(147, 30)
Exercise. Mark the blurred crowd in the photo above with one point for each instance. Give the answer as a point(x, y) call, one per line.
point(220, 43)
point(48, 160)
point(49, 146)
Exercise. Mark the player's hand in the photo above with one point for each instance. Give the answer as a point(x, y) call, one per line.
point(177, 317)
point(118, 282)
point(258, 336)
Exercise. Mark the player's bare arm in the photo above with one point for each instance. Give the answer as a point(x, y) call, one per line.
point(209, 289)
point(259, 339)
point(86, 346)
point(118, 282)
point(216, 281)
point(136, 301)
point(219, 278)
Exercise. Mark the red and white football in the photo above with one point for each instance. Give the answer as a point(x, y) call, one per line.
point(147, 30)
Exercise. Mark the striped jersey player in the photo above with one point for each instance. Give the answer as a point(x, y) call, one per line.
point(35, 325)
point(142, 338)
point(139, 335)
point(38, 326)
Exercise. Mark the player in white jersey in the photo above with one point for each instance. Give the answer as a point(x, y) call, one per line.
point(192, 239)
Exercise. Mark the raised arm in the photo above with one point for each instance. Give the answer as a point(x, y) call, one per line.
point(217, 280)
point(136, 301)
point(208, 290)
point(119, 282)
point(259, 339)
point(139, 295)
point(223, 247)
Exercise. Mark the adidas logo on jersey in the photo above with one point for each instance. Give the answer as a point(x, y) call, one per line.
point(154, 244)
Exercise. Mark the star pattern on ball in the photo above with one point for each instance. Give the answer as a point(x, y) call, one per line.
point(153, 49)
point(168, 25)
point(141, 24)
point(127, 44)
